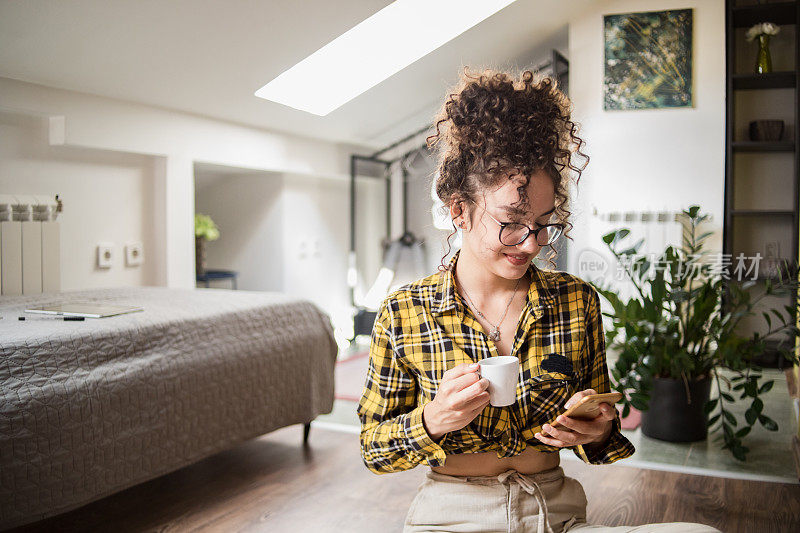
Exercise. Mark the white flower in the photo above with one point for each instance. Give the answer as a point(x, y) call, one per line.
point(764, 28)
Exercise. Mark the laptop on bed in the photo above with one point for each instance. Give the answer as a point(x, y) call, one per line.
point(87, 309)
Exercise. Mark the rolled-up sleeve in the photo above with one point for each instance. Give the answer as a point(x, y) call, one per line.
point(393, 436)
point(617, 446)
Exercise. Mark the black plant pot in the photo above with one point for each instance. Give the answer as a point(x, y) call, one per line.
point(671, 417)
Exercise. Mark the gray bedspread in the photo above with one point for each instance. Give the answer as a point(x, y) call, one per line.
point(90, 408)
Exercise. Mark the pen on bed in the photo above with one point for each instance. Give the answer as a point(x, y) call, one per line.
point(66, 318)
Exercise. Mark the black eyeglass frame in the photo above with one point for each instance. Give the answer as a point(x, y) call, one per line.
point(535, 232)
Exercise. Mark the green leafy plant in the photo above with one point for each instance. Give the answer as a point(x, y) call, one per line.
point(683, 323)
point(205, 228)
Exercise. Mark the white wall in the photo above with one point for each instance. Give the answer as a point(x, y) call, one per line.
point(248, 212)
point(420, 220)
point(649, 159)
point(176, 141)
point(141, 160)
point(370, 232)
point(284, 232)
point(316, 243)
point(106, 197)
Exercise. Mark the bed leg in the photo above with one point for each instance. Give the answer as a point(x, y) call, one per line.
point(306, 429)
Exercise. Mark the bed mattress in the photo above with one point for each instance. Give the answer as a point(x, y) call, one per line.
point(90, 408)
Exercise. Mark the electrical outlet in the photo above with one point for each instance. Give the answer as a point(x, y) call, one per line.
point(105, 254)
point(133, 254)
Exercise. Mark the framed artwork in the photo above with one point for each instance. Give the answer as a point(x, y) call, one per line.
point(648, 60)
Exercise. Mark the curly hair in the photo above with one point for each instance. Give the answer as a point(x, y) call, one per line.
point(495, 127)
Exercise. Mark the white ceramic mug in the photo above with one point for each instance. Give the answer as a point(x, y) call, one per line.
point(502, 373)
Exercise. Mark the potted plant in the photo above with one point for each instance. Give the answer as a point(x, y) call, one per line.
point(681, 328)
point(204, 230)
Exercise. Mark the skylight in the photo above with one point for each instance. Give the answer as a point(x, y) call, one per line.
point(373, 50)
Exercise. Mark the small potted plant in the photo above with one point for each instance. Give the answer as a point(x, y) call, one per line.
point(763, 31)
point(204, 230)
point(680, 329)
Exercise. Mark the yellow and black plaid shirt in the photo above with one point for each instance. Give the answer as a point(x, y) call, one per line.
point(424, 328)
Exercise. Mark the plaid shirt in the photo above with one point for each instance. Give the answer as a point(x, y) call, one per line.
point(424, 328)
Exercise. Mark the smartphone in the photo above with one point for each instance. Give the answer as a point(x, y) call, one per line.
point(588, 407)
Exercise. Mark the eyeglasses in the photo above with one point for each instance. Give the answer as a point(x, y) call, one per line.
point(514, 233)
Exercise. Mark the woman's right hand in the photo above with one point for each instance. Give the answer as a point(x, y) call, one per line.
point(461, 397)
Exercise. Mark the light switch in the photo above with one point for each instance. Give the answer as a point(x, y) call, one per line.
point(105, 254)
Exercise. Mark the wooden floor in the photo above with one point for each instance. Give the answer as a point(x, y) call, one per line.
point(273, 484)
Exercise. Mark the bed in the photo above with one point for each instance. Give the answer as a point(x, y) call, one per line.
point(90, 408)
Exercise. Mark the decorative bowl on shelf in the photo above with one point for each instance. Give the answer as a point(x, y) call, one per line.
point(766, 130)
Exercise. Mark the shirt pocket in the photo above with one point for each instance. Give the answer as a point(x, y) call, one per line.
point(541, 399)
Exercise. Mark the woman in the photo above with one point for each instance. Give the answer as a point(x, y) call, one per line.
point(503, 177)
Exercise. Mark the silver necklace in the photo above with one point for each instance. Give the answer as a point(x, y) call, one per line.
point(495, 333)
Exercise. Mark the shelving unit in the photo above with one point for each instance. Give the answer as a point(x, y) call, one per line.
point(762, 182)
point(772, 80)
point(763, 146)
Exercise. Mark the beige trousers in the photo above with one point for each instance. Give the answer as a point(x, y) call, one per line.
point(545, 502)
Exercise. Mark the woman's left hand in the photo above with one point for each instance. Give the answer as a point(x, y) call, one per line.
point(576, 431)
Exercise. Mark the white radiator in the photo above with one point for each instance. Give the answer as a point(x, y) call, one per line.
point(658, 228)
point(30, 244)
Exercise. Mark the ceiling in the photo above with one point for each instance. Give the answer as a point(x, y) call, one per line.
point(209, 57)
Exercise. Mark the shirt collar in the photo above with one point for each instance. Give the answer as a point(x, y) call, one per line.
point(540, 293)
